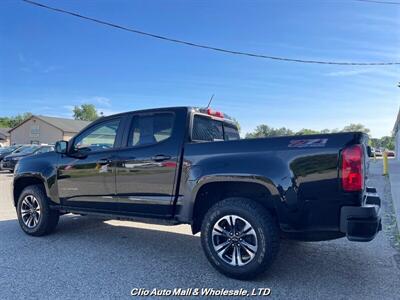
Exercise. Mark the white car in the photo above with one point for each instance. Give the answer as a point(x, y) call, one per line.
point(378, 152)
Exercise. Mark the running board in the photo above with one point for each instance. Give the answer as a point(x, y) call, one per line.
point(116, 216)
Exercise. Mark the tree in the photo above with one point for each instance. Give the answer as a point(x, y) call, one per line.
point(85, 112)
point(387, 142)
point(373, 142)
point(356, 127)
point(237, 124)
point(11, 122)
point(264, 131)
point(305, 131)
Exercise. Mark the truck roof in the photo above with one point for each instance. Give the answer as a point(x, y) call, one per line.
point(200, 110)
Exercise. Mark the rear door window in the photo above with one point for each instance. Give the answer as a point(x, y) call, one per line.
point(151, 129)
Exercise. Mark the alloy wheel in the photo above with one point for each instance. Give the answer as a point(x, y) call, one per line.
point(234, 240)
point(30, 211)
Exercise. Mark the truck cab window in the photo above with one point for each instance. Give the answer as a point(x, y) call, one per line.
point(208, 129)
point(231, 132)
point(100, 137)
point(151, 129)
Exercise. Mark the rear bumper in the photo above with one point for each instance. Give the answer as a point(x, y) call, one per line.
point(362, 223)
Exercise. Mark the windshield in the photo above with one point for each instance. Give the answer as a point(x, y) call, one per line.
point(208, 129)
point(8, 149)
point(26, 150)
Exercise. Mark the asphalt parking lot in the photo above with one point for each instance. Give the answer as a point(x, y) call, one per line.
point(94, 258)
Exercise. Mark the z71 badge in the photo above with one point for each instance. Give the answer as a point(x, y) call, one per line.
point(307, 143)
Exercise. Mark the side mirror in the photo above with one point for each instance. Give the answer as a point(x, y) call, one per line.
point(61, 147)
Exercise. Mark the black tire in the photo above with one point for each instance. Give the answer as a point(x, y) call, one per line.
point(48, 219)
point(265, 230)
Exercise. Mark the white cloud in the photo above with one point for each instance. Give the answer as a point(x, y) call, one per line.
point(102, 101)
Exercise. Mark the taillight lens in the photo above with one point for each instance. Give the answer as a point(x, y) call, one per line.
point(353, 168)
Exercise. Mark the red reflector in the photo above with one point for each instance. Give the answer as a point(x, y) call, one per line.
point(353, 168)
point(214, 113)
point(169, 164)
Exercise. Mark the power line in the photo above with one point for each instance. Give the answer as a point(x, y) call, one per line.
point(379, 2)
point(59, 10)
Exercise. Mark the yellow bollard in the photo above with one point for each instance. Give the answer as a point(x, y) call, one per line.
point(385, 163)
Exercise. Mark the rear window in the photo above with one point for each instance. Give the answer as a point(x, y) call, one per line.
point(207, 129)
point(231, 132)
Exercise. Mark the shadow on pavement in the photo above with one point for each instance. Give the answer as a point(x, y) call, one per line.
point(87, 248)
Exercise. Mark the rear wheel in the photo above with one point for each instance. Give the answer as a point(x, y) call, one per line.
point(34, 214)
point(240, 238)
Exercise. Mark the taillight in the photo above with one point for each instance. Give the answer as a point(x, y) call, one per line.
point(353, 168)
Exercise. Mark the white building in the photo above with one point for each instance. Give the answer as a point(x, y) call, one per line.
point(396, 132)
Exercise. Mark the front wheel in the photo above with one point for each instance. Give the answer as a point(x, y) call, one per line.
point(240, 238)
point(34, 214)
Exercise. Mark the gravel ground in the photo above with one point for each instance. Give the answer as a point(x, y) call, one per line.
point(93, 258)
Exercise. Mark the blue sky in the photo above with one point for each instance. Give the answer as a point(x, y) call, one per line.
point(50, 62)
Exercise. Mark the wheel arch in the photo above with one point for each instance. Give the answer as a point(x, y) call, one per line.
point(21, 182)
point(212, 189)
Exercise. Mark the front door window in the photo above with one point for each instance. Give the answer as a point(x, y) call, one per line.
point(100, 137)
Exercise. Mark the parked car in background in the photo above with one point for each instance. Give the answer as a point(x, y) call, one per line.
point(7, 151)
point(390, 153)
point(9, 162)
point(377, 152)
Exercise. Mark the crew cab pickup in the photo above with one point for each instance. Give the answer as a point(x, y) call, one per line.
point(186, 165)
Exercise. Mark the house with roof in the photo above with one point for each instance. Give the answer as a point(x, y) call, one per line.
point(45, 130)
point(4, 137)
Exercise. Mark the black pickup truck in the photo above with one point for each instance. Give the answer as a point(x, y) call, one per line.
point(186, 165)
